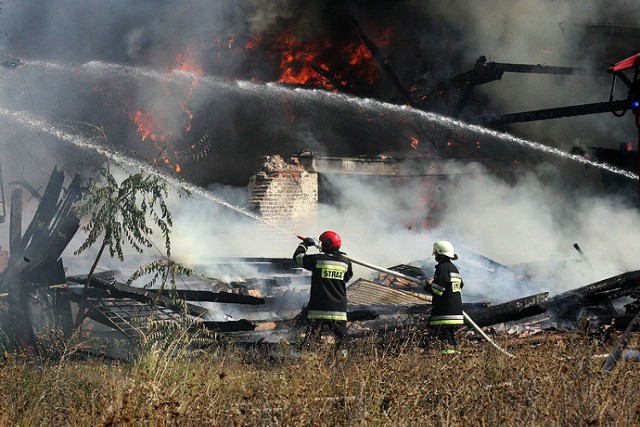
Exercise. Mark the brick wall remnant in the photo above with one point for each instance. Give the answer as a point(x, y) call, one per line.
point(283, 190)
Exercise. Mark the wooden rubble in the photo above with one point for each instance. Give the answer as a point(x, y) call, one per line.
point(41, 299)
point(38, 309)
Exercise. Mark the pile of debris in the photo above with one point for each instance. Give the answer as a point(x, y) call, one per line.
point(42, 301)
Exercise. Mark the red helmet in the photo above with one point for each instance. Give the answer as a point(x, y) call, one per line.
point(330, 241)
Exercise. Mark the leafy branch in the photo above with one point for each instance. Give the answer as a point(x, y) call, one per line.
point(127, 213)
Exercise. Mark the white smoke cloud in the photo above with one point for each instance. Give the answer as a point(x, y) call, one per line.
point(527, 224)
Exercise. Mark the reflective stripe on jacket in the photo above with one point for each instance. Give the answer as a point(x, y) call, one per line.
point(330, 271)
point(446, 290)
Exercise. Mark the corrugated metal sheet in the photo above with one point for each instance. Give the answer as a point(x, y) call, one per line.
point(366, 292)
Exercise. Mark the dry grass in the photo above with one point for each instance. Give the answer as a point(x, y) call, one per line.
point(554, 382)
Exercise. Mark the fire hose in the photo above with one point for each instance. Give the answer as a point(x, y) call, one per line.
point(468, 319)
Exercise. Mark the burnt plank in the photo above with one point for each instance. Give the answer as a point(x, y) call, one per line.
point(623, 341)
point(230, 326)
point(46, 207)
point(55, 229)
point(209, 296)
point(106, 280)
point(16, 248)
point(361, 312)
point(509, 311)
point(567, 306)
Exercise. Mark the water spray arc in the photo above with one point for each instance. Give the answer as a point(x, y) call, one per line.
point(276, 91)
point(43, 127)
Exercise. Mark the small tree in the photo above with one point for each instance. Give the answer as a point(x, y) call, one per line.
point(127, 212)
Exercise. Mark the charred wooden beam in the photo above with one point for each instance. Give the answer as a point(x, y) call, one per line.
point(46, 207)
point(106, 281)
point(16, 248)
point(566, 307)
point(614, 356)
point(509, 311)
point(369, 312)
point(360, 312)
point(377, 55)
point(23, 183)
point(35, 266)
point(209, 296)
point(231, 326)
point(484, 314)
point(55, 228)
point(485, 72)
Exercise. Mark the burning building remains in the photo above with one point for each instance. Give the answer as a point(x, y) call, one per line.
point(42, 300)
point(405, 123)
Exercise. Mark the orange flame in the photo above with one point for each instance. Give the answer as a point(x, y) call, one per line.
point(185, 62)
point(149, 127)
point(300, 63)
point(321, 62)
point(254, 42)
point(361, 58)
point(414, 142)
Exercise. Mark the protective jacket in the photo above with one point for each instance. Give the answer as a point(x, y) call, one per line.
point(446, 291)
point(330, 271)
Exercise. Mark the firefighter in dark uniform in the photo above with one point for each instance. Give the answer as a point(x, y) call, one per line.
point(446, 290)
point(330, 272)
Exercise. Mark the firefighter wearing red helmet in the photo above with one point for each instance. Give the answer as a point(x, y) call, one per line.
point(446, 290)
point(330, 272)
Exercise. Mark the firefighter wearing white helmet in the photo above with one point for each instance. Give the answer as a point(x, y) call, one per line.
point(442, 247)
point(446, 290)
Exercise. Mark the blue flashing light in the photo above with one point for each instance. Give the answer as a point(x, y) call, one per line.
point(635, 104)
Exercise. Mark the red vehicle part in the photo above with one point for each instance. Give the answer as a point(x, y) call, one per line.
point(633, 62)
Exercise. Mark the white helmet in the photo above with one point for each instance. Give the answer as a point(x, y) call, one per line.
point(443, 247)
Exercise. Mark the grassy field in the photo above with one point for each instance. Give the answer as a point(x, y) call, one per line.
point(554, 380)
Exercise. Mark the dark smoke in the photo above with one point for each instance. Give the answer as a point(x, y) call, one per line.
point(427, 38)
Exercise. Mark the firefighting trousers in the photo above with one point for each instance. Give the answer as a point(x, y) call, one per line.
point(443, 335)
point(316, 327)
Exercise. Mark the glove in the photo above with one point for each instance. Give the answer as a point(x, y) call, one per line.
point(310, 241)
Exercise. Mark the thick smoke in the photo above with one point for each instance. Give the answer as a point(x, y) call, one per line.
point(433, 37)
point(551, 32)
point(90, 65)
point(528, 225)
